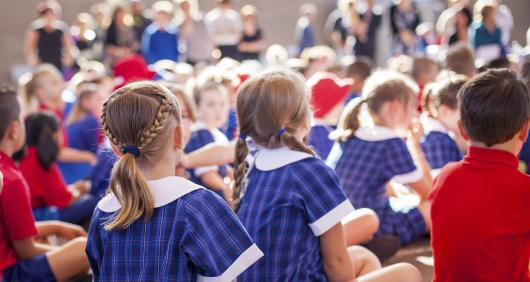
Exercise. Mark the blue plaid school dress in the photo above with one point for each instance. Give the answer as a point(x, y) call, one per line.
point(192, 236)
point(364, 164)
point(200, 137)
point(291, 198)
point(319, 139)
point(438, 145)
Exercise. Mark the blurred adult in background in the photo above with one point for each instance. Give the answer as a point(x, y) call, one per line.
point(252, 41)
point(48, 39)
point(365, 33)
point(101, 13)
point(193, 31)
point(504, 20)
point(224, 25)
point(404, 19)
point(446, 22)
point(139, 20)
point(484, 34)
point(305, 31)
point(160, 39)
point(84, 37)
point(460, 31)
point(340, 24)
point(120, 41)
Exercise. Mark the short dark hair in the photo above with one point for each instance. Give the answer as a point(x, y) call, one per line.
point(40, 128)
point(494, 106)
point(461, 59)
point(9, 109)
point(361, 67)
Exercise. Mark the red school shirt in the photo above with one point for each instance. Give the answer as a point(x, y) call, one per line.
point(59, 114)
point(16, 217)
point(481, 219)
point(47, 187)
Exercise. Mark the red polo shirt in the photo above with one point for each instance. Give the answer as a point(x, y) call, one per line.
point(481, 219)
point(16, 217)
point(47, 187)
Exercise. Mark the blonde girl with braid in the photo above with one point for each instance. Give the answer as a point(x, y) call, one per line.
point(152, 225)
point(290, 202)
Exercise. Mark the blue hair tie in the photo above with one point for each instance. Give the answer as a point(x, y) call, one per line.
point(281, 132)
point(130, 149)
point(242, 137)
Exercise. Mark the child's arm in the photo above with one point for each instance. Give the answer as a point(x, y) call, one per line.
point(335, 258)
point(74, 155)
point(424, 185)
point(63, 229)
point(208, 155)
point(28, 248)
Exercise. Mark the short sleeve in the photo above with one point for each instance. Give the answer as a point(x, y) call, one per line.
point(324, 200)
point(56, 193)
point(440, 150)
point(16, 210)
point(216, 241)
point(398, 164)
point(94, 246)
point(198, 140)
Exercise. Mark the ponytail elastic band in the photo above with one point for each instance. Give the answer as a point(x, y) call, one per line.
point(130, 149)
point(242, 137)
point(281, 132)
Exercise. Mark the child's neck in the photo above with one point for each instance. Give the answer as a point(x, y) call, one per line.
point(7, 149)
point(511, 146)
point(158, 170)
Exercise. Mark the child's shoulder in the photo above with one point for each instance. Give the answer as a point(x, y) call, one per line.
point(291, 161)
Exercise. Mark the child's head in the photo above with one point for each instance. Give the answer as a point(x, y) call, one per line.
point(272, 109)
point(163, 11)
point(441, 101)
point(142, 121)
point(494, 109)
point(89, 101)
point(187, 109)
point(212, 102)
point(42, 132)
point(308, 10)
point(460, 59)
point(424, 70)
point(45, 85)
point(485, 10)
point(359, 70)
point(12, 133)
point(391, 101)
point(49, 10)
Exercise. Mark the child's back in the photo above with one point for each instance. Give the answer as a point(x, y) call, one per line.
point(480, 208)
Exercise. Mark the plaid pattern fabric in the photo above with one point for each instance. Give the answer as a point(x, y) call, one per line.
point(278, 208)
point(230, 128)
point(363, 168)
point(319, 140)
point(195, 235)
point(199, 139)
point(440, 149)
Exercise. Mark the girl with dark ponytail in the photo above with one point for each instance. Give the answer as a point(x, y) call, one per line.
point(290, 202)
point(154, 226)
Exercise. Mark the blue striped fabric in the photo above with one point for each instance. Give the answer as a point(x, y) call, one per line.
point(364, 168)
point(195, 235)
point(277, 207)
point(319, 140)
point(440, 149)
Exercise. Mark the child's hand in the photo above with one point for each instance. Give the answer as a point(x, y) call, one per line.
point(82, 186)
point(69, 231)
point(415, 132)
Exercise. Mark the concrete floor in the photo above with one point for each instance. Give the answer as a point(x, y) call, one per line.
point(419, 254)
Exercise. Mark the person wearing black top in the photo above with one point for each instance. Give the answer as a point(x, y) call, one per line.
point(365, 35)
point(252, 42)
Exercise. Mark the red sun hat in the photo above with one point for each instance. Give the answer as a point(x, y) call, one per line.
point(131, 69)
point(327, 91)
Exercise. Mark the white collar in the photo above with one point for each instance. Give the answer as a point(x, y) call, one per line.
point(375, 133)
point(199, 125)
point(431, 124)
point(164, 191)
point(271, 159)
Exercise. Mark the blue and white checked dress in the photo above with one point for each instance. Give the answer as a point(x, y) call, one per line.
point(319, 139)
point(291, 198)
point(192, 236)
point(365, 164)
point(438, 145)
point(200, 137)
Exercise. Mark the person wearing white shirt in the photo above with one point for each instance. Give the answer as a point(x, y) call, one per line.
point(224, 25)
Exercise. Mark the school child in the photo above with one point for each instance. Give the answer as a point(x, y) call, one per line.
point(359, 70)
point(440, 106)
point(43, 93)
point(290, 202)
point(424, 71)
point(328, 93)
point(83, 129)
point(367, 157)
point(21, 257)
point(212, 109)
point(480, 210)
point(51, 198)
point(153, 225)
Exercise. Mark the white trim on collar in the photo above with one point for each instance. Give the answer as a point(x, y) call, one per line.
point(431, 124)
point(198, 125)
point(375, 133)
point(271, 159)
point(164, 191)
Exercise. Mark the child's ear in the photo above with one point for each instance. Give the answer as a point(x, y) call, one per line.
point(178, 142)
point(523, 133)
point(462, 131)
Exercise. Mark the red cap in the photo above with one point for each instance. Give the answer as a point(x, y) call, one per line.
point(130, 69)
point(327, 91)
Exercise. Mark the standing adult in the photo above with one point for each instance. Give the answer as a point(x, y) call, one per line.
point(224, 25)
point(305, 30)
point(252, 42)
point(404, 19)
point(193, 31)
point(365, 34)
point(120, 41)
point(160, 39)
